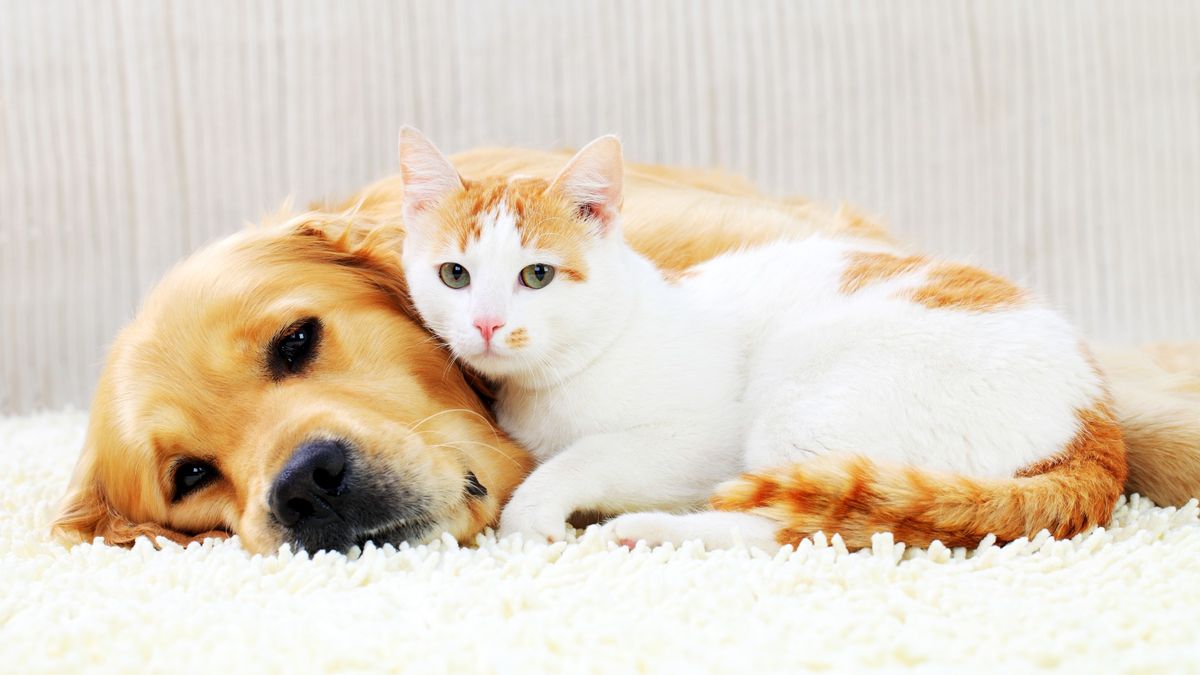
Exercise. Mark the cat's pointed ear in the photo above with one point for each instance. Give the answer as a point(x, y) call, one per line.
point(428, 176)
point(592, 181)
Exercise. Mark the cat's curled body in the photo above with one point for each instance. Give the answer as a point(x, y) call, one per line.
point(864, 389)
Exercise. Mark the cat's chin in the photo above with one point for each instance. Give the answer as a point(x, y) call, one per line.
point(492, 364)
point(489, 363)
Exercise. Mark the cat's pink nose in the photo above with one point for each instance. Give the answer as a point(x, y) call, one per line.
point(487, 326)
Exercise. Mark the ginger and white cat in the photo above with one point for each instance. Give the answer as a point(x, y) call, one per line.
point(863, 389)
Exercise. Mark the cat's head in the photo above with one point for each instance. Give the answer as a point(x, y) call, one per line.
point(514, 273)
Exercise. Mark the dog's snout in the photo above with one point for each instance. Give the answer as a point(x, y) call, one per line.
point(329, 497)
point(311, 485)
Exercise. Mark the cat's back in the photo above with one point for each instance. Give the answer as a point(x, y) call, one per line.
point(817, 286)
point(758, 285)
point(822, 277)
point(911, 357)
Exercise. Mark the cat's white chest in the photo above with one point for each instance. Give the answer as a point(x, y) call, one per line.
point(662, 373)
point(542, 422)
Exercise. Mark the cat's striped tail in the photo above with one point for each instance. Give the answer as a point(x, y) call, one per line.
point(855, 497)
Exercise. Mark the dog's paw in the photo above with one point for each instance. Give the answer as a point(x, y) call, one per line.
point(653, 528)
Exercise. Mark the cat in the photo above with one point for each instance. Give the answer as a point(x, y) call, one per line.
point(854, 387)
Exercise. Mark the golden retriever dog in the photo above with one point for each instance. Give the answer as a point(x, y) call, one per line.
point(277, 385)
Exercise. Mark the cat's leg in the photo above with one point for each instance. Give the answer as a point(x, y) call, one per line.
point(615, 473)
point(818, 400)
point(787, 429)
point(716, 529)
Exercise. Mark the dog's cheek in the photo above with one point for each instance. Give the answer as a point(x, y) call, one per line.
point(256, 533)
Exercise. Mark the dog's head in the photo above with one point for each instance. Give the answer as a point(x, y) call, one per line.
point(276, 386)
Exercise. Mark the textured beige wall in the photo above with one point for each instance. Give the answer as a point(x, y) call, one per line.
point(1056, 141)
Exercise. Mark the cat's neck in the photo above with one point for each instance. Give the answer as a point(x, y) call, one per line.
point(627, 284)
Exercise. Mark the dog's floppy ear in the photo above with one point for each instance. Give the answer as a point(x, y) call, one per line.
point(371, 250)
point(86, 514)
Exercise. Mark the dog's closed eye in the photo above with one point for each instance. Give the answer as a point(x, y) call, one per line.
point(293, 348)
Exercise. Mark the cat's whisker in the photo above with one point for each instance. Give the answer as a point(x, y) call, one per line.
point(454, 445)
point(436, 340)
point(488, 423)
point(450, 363)
point(427, 418)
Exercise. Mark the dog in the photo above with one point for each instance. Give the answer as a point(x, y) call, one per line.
point(277, 384)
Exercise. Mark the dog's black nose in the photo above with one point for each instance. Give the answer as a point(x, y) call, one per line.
point(311, 485)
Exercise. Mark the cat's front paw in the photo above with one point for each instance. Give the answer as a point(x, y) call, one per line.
point(534, 523)
point(653, 528)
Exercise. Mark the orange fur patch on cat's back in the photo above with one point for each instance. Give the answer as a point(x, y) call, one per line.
point(864, 268)
point(955, 286)
point(946, 286)
point(543, 219)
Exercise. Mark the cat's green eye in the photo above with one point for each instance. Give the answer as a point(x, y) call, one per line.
point(455, 275)
point(537, 275)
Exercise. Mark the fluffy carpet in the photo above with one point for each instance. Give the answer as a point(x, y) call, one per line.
point(1123, 599)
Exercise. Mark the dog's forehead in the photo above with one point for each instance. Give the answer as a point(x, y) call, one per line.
point(151, 395)
point(199, 335)
point(236, 269)
point(199, 346)
point(239, 288)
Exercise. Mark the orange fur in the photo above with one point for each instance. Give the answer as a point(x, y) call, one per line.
point(518, 338)
point(963, 287)
point(1156, 399)
point(89, 510)
point(866, 268)
point(1180, 358)
point(859, 225)
point(543, 218)
point(854, 497)
point(948, 286)
point(678, 217)
point(186, 379)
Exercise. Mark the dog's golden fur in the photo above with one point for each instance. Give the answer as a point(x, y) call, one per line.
point(1156, 393)
point(186, 378)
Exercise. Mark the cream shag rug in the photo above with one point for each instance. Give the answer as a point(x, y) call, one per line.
point(1124, 599)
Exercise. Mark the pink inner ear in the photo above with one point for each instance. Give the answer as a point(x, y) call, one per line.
point(417, 202)
point(428, 176)
point(423, 190)
point(590, 211)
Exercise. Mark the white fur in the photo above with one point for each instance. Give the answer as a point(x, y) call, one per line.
point(638, 394)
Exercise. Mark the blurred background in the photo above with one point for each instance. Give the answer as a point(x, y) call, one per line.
point(1057, 142)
